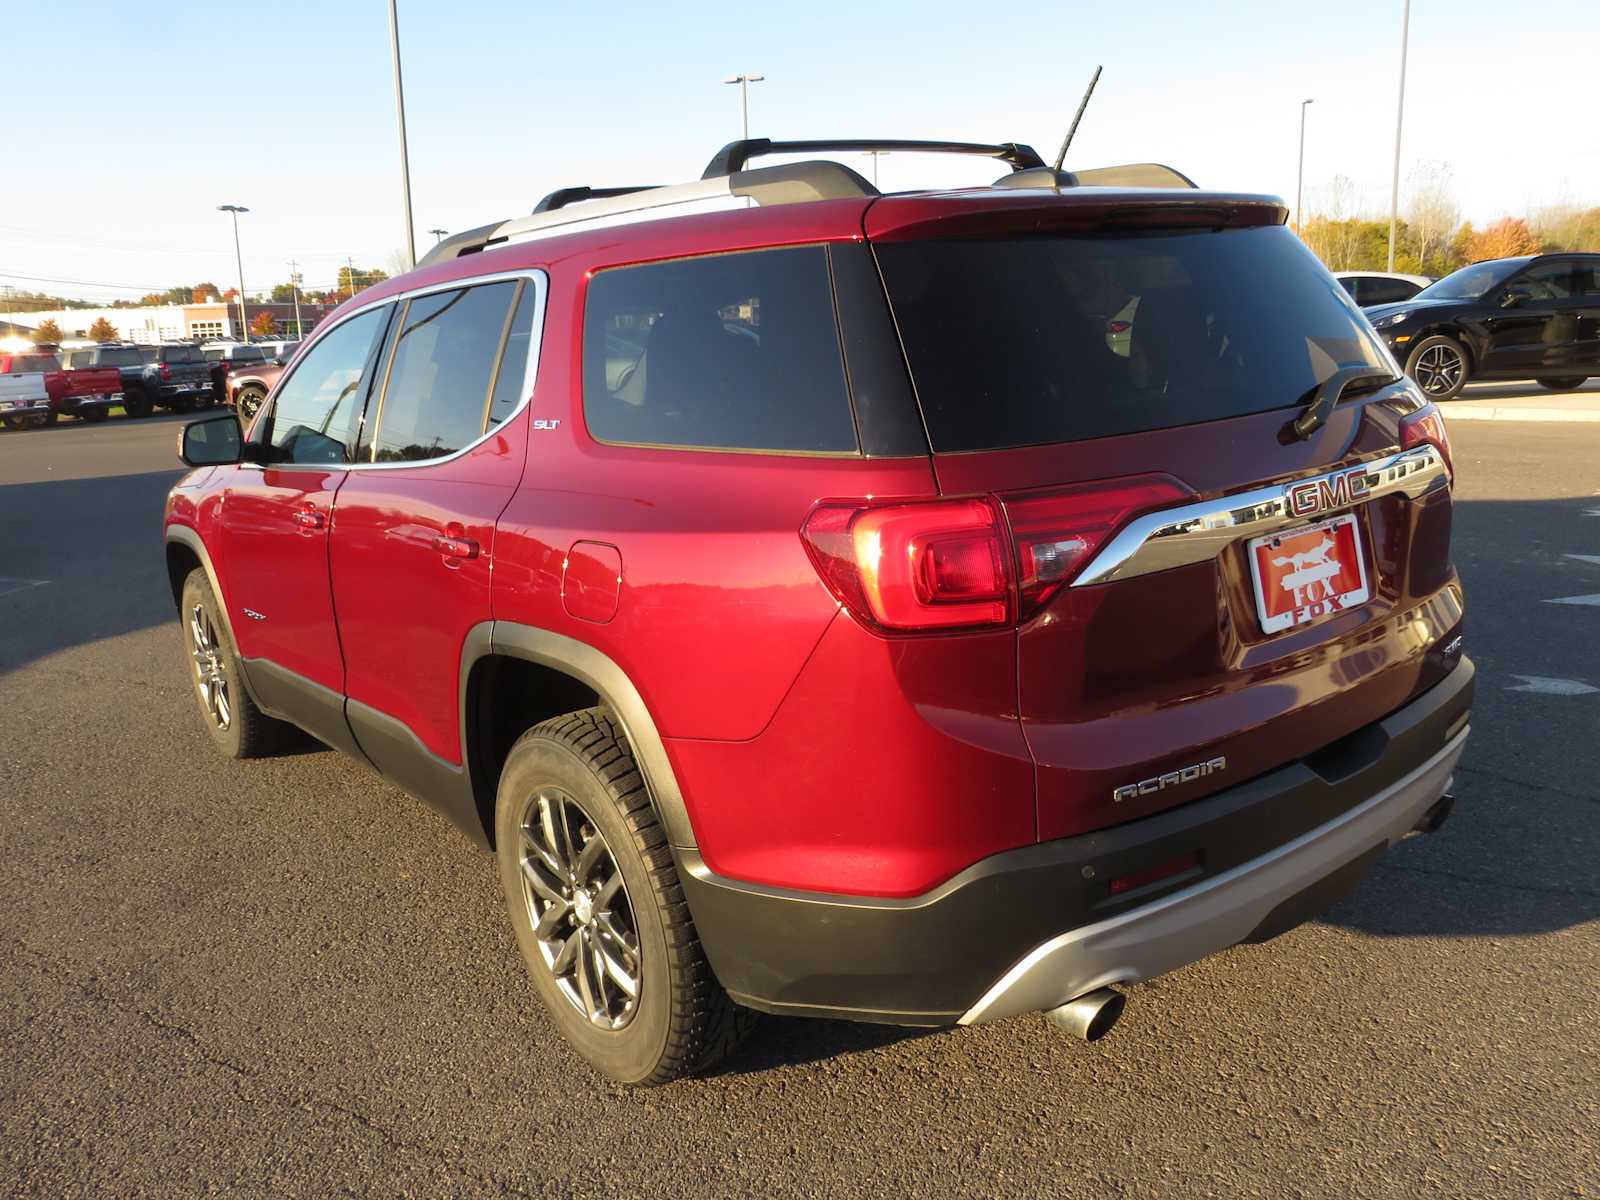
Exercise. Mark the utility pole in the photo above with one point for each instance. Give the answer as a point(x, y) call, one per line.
point(400, 116)
point(438, 235)
point(350, 267)
point(294, 288)
point(1399, 123)
point(1300, 176)
point(744, 81)
point(244, 325)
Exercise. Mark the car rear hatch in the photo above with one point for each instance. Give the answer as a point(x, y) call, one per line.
point(1202, 592)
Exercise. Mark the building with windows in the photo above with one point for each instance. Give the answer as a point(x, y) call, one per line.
point(217, 321)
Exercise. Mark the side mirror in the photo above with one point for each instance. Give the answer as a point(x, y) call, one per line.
point(1514, 296)
point(213, 442)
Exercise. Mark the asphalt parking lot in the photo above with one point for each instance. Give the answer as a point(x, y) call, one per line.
point(287, 977)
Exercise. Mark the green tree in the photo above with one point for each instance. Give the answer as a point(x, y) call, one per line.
point(264, 325)
point(48, 331)
point(350, 282)
point(283, 293)
point(103, 331)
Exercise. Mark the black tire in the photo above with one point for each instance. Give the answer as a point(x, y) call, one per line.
point(51, 418)
point(136, 404)
point(1440, 367)
point(248, 402)
point(14, 423)
point(96, 414)
point(247, 732)
point(680, 1019)
point(182, 405)
point(1562, 383)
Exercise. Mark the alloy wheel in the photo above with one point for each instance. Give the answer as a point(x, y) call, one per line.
point(579, 908)
point(210, 675)
point(1439, 369)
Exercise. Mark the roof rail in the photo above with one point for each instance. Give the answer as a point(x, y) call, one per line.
point(735, 155)
point(562, 197)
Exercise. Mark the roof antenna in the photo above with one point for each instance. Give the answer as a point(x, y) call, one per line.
point(1062, 157)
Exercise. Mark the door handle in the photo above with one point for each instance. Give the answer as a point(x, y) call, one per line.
point(455, 547)
point(308, 518)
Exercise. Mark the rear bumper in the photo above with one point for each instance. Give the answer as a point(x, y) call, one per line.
point(1033, 928)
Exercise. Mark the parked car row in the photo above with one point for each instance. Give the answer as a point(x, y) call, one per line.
point(44, 384)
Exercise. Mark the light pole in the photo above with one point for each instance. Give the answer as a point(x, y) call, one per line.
point(438, 235)
point(1300, 177)
point(294, 289)
point(875, 155)
point(236, 209)
point(400, 116)
point(1399, 122)
point(744, 81)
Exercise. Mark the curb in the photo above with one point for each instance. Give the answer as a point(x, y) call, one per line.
point(1454, 413)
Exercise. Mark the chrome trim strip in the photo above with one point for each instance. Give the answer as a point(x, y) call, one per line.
point(1176, 537)
point(1213, 914)
point(530, 371)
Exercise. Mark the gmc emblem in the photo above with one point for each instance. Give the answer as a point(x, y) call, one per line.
point(1331, 491)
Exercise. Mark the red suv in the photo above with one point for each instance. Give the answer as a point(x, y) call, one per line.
point(920, 608)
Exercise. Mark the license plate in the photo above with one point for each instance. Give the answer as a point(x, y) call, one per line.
point(1305, 574)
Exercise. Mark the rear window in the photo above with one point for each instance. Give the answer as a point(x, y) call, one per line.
point(733, 351)
point(120, 358)
point(28, 364)
point(1026, 341)
point(180, 354)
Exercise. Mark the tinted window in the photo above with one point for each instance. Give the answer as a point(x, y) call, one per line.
point(1022, 341)
point(1549, 281)
point(122, 357)
point(438, 388)
point(1352, 284)
point(27, 364)
point(508, 391)
point(314, 415)
point(736, 351)
point(249, 354)
point(214, 355)
point(1386, 291)
point(1589, 279)
point(181, 354)
point(1469, 283)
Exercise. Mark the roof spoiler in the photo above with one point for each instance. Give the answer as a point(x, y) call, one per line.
point(735, 155)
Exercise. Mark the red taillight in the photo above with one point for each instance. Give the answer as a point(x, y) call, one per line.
point(926, 565)
point(941, 565)
point(1058, 531)
point(166, 371)
point(1426, 427)
point(1139, 879)
point(1119, 326)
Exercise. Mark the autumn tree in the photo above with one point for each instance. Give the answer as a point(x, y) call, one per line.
point(1431, 219)
point(264, 325)
point(352, 281)
point(104, 331)
point(48, 331)
point(1566, 227)
point(204, 291)
point(1506, 238)
point(152, 300)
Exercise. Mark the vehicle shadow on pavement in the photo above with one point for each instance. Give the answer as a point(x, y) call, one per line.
point(796, 1041)
point(80, 561)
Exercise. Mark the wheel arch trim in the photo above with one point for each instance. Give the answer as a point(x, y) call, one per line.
point(614, 687)
point(190, 539)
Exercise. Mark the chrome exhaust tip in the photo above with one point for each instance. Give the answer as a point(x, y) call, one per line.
point(1091, 1015)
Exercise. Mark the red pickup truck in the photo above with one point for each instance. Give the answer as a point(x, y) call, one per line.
point(85, 393)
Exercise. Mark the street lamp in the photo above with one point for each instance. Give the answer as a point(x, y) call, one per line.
point(1300, 177)
point(238, 259)
point(744, 82)
point(1399, 121)
point(438, 235)
point(875, 155)
point(400, 116)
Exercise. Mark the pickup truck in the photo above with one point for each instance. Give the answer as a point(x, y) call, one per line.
point(24, 399)
point(176, 377)
point(77, 393)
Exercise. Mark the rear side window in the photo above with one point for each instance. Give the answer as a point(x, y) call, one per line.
point(1024, 341)
point(733, 351)
point(1386, 291)
point(514, 359)
point(437, 395)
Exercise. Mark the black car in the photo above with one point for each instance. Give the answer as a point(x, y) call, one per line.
point(1536, 317)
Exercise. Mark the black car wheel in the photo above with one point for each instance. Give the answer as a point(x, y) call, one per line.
point(248, 402)
point(96, 414)
point(1439, 365)
point(597, 908)
point(14, 422)
point(1562, 383)
point(136, 404)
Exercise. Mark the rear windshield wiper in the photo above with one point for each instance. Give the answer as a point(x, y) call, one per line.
point(1328, 394)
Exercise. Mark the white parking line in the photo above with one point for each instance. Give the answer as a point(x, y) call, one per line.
point(1545, 686)
point(7, 586)
point(1593, 600)
point(1588, 558)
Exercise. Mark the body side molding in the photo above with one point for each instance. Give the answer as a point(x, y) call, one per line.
point(614, 688)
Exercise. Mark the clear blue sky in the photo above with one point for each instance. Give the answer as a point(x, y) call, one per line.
point(170, 109)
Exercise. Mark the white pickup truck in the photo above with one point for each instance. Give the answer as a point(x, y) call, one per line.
point(24, 400)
